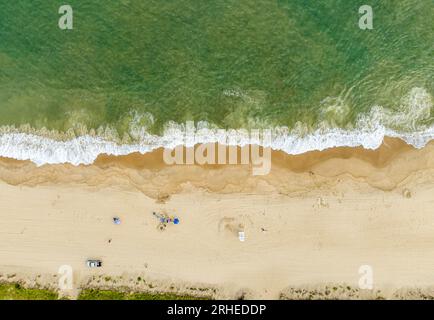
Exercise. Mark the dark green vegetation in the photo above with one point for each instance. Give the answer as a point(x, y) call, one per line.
point(92, 294)
point(14, 291)
point(175, 59)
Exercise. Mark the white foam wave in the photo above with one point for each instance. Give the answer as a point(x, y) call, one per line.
point(85, 149)
point(369, 133)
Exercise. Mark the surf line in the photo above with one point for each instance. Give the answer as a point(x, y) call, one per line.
point(221, 148)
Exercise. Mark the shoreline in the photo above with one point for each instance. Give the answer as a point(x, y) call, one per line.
point(80, 145)
point(83, 148)
point(383, 168)
point(310, 223)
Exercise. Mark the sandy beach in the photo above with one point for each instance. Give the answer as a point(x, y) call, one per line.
point(309, 224)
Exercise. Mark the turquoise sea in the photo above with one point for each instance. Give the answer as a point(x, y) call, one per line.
point(130, 69)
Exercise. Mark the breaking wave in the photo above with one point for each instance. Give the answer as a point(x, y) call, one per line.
point(407, 123)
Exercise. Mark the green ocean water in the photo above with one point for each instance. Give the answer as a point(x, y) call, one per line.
point(232, 63)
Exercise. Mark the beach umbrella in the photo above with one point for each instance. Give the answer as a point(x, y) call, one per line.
point(116, 220)
point(176, 221)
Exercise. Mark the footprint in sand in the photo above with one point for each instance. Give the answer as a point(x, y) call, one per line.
point(230, 225)
point(321, 203)
point(162, 198)
point(406, 193)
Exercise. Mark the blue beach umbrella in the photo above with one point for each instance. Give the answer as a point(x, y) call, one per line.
point(176, 221)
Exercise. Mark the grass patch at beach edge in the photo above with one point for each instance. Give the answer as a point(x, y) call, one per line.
point(96, 294)
point(15, 291)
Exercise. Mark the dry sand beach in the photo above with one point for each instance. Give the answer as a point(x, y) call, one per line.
point(309, 225)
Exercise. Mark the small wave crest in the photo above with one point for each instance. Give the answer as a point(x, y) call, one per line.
point(369, 132)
